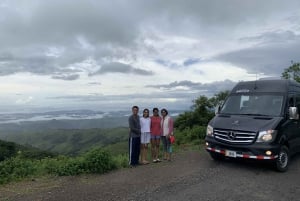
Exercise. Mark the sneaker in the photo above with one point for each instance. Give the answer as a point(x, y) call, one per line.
point(158, 160)
point(154, 161)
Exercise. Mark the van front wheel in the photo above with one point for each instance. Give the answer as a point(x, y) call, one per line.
point(282, 160)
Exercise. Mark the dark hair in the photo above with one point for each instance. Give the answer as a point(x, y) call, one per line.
point(135, 107)
point(155, 109)
point(146, 110)
point(165, 110)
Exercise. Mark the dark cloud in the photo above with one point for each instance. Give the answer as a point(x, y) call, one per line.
point(208, 89)
point(94, 83)
point(181, 99)
point(116, 67)
point(274, 37)
point(66, 77)
point(114, 30)
point(270, 59)
point(167, 63)
point(191, 61)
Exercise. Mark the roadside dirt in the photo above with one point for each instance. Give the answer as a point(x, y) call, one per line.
point(122, 184)
point(192, 175)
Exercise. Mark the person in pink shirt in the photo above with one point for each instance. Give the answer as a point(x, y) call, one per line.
point(155, 130)
point(166, 131)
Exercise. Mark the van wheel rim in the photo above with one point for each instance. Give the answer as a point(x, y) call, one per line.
point(283, 159)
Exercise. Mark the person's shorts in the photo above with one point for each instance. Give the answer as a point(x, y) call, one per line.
point(145, 138)
point(155, 136)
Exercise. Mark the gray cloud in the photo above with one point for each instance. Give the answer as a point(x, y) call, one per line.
point(276, 37)
point(116, 67)
point(63, 39)
point(115, 30)
point(188, 86)
point(182, 98)
point(94, 83)
point(191, 61)
point(273, 53)
point(66, 77)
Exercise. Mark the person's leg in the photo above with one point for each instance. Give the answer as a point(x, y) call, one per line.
point(130, 151)
point(157, 144)
point(136, 150)
point(164, 142)
point(146, 153)
point(169, 149)
point(142, 153)
point(148, 137)
point(142, 147)
point(153, 147)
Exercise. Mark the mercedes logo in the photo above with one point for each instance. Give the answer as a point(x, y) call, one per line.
point(231, 135)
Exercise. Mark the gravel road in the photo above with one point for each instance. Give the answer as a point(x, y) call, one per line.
point(192, 175)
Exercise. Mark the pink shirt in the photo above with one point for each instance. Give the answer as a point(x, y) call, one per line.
point(155, 126)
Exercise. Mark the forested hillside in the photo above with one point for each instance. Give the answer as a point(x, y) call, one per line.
point(11, 149)
point(71, 141)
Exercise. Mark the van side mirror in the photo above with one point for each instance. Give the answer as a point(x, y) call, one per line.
point(293, 113)
point(217, 109)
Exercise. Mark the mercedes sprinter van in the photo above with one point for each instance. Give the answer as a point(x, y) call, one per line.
point(258, 120)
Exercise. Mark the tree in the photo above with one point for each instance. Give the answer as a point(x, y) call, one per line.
point(202, 111)
point(219, 98)
point(292, 72)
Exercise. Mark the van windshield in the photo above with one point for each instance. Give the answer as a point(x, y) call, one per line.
point(253, 104)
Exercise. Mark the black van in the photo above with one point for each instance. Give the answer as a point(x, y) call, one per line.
point(258, 120)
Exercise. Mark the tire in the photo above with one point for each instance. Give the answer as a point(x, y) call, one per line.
point(216, 156)
point(282, 162)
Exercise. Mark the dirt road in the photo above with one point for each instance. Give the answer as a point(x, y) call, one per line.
point(192, 175)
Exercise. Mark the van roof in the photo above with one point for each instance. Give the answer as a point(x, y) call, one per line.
point(278, 85)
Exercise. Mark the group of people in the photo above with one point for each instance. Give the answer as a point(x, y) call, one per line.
point(149, 129)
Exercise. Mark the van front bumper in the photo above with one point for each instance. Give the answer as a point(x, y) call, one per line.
point(256, 151)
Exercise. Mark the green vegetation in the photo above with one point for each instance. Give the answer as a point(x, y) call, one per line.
point(11, 149)
point(94, 161)
point(191, 126)
point(292, 72)
point(85, 151)
point(71, 142)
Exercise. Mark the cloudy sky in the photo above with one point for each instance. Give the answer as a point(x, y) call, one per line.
point(110, 55)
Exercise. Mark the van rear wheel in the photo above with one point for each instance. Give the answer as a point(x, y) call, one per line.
point(216, 156)
point(282, 161)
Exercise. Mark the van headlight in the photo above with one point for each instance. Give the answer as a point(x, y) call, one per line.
point(209, 131)
point(266, 136)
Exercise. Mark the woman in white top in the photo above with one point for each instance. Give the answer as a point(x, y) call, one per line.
point(145, 122)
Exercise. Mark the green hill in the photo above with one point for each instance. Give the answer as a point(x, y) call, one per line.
point(11, 149)
point(73, 141)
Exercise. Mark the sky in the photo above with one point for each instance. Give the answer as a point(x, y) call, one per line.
point(110, 55)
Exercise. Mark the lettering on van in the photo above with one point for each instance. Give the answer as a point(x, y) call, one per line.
point(242, 91)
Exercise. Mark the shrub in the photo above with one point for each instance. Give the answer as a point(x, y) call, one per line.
point(70, 166)
point(121, 161)
point(64, 166)
point(190, 135)
point(98, 161)
point(15, 169)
